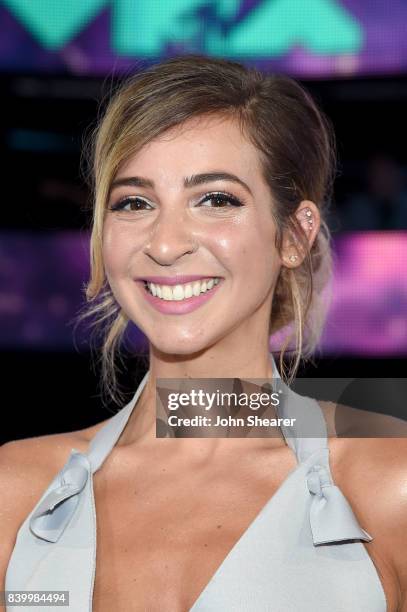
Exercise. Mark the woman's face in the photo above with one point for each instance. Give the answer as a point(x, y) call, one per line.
point(169, 229)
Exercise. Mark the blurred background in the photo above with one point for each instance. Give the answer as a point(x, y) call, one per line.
point(58, 60)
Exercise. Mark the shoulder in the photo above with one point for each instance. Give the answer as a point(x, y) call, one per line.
point(26, 469)
point(369, 464)
point(28, 465)
point(368, 455)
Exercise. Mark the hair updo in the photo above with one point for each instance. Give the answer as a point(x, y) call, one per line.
point(296, 148)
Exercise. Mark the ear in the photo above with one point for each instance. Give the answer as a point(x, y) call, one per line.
point(307, 215)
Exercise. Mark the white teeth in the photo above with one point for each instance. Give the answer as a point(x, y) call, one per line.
point(178, 293)
point(167, 292)
point(181, 292)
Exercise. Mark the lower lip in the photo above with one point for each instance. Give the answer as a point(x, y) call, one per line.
point(178, 306)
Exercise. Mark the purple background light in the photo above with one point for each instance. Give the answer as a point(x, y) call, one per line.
point(42, 278)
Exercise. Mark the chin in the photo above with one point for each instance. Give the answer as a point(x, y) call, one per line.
point(174, 344)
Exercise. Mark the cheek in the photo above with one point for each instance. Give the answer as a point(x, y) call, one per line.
point(250, 254)
point(109, 251)
point(115, 249)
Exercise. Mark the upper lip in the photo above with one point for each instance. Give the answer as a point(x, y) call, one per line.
point(175, 280)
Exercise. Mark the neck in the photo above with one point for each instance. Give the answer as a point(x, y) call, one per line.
point(251, 362)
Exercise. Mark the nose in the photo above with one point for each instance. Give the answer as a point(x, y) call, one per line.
point(171, 237)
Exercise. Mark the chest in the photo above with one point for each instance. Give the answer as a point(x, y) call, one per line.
point(163, 530)
point(161, 535)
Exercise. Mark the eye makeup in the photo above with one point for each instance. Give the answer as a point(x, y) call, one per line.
point(221, 197)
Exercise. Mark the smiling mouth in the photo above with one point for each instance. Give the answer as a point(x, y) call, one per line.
point(177, 293)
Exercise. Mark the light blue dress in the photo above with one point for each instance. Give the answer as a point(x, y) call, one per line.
point(302, 553)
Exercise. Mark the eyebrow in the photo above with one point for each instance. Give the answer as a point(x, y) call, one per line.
point(189, 181)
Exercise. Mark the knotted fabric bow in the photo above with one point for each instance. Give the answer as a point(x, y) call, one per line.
point(55, 511)
point(331, 517)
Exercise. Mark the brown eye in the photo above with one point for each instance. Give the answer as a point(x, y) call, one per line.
point(222, 199)
point(138, 203)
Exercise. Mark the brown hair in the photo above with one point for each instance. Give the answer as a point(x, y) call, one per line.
point(296, 146)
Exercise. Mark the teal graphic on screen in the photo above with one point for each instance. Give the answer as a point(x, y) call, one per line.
point(52, 22)
point(143, 27)
point(303, 38)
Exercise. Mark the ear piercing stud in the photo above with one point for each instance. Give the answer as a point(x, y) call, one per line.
point(309, 218)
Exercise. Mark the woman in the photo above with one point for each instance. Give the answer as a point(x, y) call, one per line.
point(211, 179)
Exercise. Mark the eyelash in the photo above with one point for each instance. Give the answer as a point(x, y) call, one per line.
point(217, 195)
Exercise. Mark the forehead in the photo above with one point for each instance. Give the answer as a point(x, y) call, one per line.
point(193, 146)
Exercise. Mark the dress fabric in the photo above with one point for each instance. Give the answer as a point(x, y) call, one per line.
point(302, 553)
